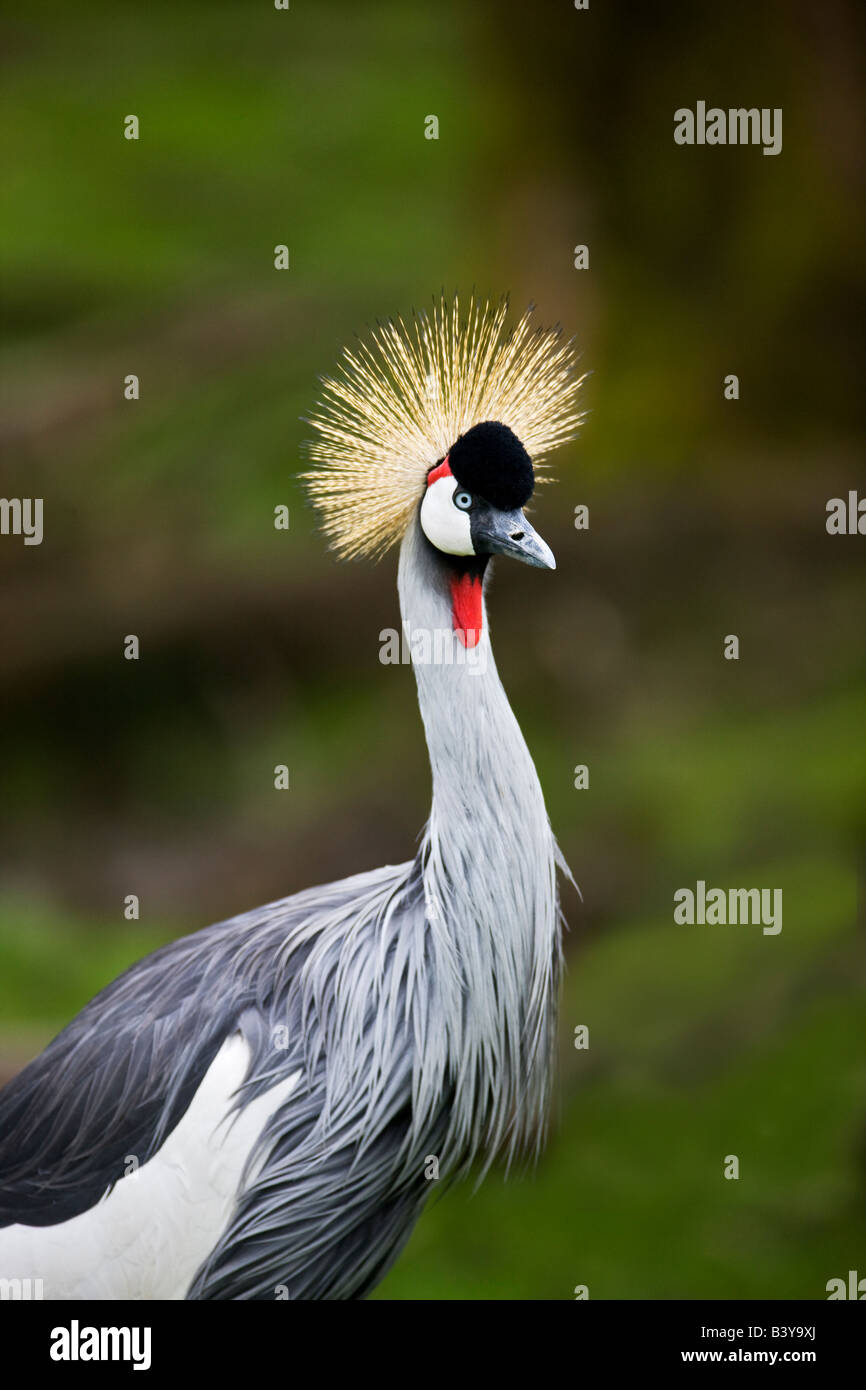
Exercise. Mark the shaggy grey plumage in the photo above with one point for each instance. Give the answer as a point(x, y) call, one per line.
point(417, 1000)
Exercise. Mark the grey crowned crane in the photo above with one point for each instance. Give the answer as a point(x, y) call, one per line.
point(249, 1113)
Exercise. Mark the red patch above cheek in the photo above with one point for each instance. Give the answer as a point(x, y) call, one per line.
point(442, 470)
point(466, 610)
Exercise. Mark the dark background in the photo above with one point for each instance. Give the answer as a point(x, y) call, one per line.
point(707, 517)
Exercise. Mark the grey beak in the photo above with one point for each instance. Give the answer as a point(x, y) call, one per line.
point(495, 532)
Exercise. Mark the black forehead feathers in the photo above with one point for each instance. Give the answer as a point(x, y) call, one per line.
point(490, 460)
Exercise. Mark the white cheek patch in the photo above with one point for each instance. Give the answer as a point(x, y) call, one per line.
point(444, 525)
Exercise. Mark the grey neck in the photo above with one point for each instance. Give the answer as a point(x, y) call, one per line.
point(488, 859)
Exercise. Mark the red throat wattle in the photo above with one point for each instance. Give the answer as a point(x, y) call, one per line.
point(466, 611)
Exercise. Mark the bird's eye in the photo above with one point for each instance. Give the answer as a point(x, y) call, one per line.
point(463, 500)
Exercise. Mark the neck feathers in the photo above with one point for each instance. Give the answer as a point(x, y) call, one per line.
point(488, 861)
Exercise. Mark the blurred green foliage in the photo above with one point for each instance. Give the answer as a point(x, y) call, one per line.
point(706, 517)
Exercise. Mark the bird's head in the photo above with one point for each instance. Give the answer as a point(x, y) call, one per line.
point(474, 498)
point(441, 424)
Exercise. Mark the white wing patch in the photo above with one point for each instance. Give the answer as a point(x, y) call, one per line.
point(147, 1238)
